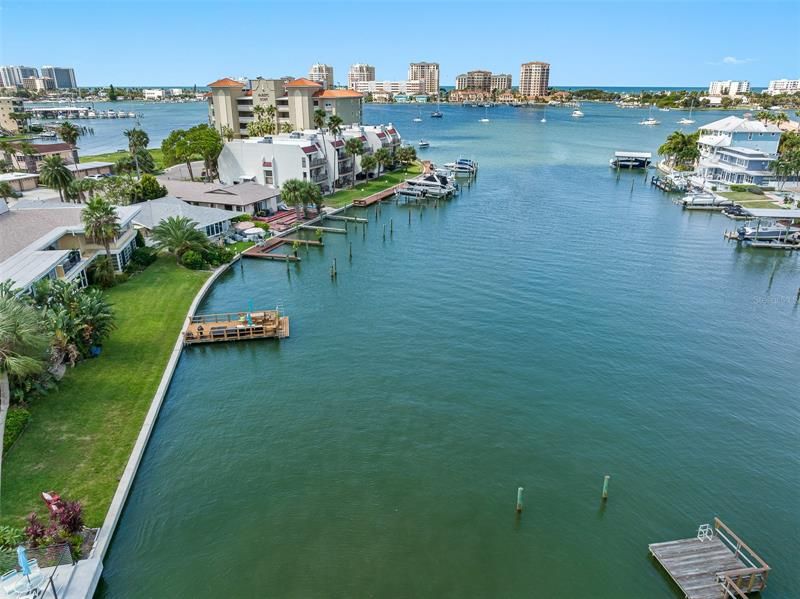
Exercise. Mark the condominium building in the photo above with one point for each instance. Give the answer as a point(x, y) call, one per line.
point(359, 72)
point(322, 74)
point(9, 106)
point(427, 72)
point(38, 84)
point(483, 81)
point(390, 87)
point(534, 79)
point(64, 77)
point(234, 104)
point(728, 88)
point(12, 76)
point(783, 86)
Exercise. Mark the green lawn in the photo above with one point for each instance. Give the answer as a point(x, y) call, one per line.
point(156, 153)
point(747, 199)
point(240, 246)
point(364, 189)
point(80, 436)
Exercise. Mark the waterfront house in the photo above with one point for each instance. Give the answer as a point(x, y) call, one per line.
point(20, 182)
point(48, 242)
point(242, 194)
point(90, 169)
point(734, 150)
point(213, 222)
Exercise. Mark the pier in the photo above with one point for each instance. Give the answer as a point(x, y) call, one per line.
point(266, 250)
point(236, 326)
point(716, 564)
point(375, 197)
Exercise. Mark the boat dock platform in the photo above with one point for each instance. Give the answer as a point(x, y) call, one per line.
point(266, 250)
point(375, 197)
point(716, 564)
point(236, 326)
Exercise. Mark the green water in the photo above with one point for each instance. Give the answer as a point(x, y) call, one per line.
point(547, 327)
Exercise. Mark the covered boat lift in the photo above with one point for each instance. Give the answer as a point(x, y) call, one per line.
point(626, 159)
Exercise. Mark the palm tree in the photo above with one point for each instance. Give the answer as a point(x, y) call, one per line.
point(138, 140)
point(6, 191)
point(780, 117)
point(353, 147)
point(228, 133)
point(335, 123)
point(312, 194)
point(383, 159)
point(765, 116)
point(292, 194)
point(68, 132)
point(368, 163)
point(287, 127)
point(8, 149)
point(272, 115)
point(101, 224)
point(178, 235)
point(23, 343)
point(54, 173)
point(319, 122)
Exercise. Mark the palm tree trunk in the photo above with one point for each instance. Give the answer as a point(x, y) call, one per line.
point(5, 401)
point(189, 166)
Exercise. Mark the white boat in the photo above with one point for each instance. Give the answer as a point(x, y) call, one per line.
point(705, 199)
point(485, 119)
point(650, 121)
point(690, 120)
point(577, 114)
point(544, 116)
point(424, 144)
point(630, 160)
point(418, 119)
point(767, 230)
point(91, 114)
point(665, 109)
point(132, 115)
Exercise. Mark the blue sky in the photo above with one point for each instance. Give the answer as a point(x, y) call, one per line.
point(186, 42)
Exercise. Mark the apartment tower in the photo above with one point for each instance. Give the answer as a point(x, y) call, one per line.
point(322, 74)
point(359, 73)
point(427, 72)
point(534, 78)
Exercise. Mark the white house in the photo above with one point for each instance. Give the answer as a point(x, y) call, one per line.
point(214, 222)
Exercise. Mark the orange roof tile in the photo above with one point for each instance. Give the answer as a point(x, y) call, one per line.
point(338, 93)
point(226, 82)
point(302, 82)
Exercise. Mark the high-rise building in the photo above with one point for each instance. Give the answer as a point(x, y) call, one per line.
point(501, 81)
point(64, 77)
point(728, 88)
point(483, 81)
point(322, 74)
point(427, 72)
point(38, 84)
point(12, 76)
point(9, 106)
point(783, 86)
point(360, 72)
point(534, 78)
point(390, 87)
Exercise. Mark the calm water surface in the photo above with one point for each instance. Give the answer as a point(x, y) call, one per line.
point(550, 325)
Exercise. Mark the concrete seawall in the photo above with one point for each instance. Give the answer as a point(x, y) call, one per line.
point(86, 574)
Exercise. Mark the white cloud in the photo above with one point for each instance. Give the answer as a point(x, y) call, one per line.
point(733, 60)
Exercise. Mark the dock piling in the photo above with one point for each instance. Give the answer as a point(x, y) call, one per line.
point(606, 478)
point(391, 225)
point(519, 500)
point(384, 231)
point(409, 217)
point(351, 250)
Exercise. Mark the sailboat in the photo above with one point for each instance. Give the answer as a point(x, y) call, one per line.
point(418, 119)
point(437, 114)
point(544, 116)
point(577, 113)
point(485, 119)
point(689, 121)
point(650, 120)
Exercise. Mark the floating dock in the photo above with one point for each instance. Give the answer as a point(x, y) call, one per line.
point(266, 250)
point(716, 564)
point(236, 326)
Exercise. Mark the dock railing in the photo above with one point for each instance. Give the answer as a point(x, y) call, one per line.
point(736, 583)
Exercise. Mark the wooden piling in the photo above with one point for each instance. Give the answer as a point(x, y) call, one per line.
point(384, 231)
point(391, 225)
point(519, 500)
point(351, 250)
point(409, 216)
point(797, 299)
point(606, 478)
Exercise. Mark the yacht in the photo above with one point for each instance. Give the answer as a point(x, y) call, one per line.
point(463, 166)
point(577, 114)
point(91, 114)
point(436, 184)
point(767, 230)
point(650, 121)
point(704, 198)
point(424, 144)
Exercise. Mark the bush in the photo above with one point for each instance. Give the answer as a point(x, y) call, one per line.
point(16, 420)
point(217, 255)
point(141, 258)
point(10, 537)
point(70, 518)
point(193, 260)
point(241, 218)
point(139, 239)
point(101, 273)
point(262, 226)
point(121, 277)
point(35, 531)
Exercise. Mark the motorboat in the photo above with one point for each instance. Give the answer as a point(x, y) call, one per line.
point(91, 114)
point(132, 115)
point(688, 120)
point(463, 166)
point(767, 230)
point(411, 192)
point(418, 119)
point(704, 198)
point(485, 119)
point(649, 121)
point(437, 185)
point(436, 114)
point(577, 114)
point(424, 144)
point(626, 159)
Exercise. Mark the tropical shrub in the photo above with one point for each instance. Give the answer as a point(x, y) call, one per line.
point(141, 258)
point(16, 420)
point(70, 517)
point(261, 225)
point(35, 531)
point(217, 255)
point(11, 537)
point(193, 260)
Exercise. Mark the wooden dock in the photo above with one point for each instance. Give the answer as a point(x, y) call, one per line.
point(716, 564)
point(236, 326)
point(375, 197)
point(266, 250)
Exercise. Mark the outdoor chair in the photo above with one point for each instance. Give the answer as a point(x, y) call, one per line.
point(8, 580)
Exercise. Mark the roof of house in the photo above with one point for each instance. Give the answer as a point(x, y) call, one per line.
point(85, 166)
point(303, 82)
point(226, 82)
point(51, 148)
point(239, 194)
point(20, 228)
point(154, 211)
point(15, 176)
point(731, 124)
point(338, 93)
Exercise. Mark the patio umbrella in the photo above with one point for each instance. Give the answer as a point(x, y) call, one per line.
point(22, 558)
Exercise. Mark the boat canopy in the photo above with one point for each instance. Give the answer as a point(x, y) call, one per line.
point(633, 155)
point(773, 213)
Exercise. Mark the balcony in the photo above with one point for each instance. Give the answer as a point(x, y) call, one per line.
point(317, 162)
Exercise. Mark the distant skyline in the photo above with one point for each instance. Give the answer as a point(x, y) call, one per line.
point(194, 42)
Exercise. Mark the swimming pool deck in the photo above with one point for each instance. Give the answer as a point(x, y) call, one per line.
point(714, 565)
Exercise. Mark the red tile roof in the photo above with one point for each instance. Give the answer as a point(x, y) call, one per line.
point(302, 82)
point(226, 82)
point(338, 93)
point(309, 149)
